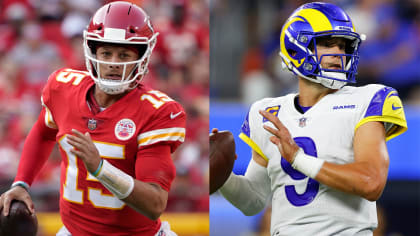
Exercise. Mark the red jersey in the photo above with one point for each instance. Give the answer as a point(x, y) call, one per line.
point(124, 134)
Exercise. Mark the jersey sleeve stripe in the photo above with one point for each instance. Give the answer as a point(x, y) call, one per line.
point(392, 133)
point(386, 107)
point(48, 119)
point(252, 144)
point(160, 131)
point(154, 136)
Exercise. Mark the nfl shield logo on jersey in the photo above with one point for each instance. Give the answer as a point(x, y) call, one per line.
point(91, 124)
point(302, 122)
point(125, 129)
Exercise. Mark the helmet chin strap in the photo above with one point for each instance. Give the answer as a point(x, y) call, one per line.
point(111, 87)
point(331, 83)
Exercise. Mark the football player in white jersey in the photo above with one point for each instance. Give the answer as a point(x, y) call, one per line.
point(320, 153)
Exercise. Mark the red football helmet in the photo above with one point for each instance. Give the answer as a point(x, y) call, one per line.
point(119, 23)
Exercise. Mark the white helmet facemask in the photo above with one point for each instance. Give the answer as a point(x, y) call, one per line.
point(129, 79)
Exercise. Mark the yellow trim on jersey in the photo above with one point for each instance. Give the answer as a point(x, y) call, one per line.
point(91, 177)
point(154, 136)
point(393, 106)
point(48, 119)
point(392, 112)
point(393, 132)
point(252, 144)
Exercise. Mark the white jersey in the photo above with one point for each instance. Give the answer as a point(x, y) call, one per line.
point(301, 204)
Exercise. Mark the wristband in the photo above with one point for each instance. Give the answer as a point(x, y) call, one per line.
point(99, 168)
point(115, 180)
point(306, 164)
point(21, 184)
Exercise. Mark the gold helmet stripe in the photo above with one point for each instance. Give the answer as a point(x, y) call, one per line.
point(318, 21)
point(282, 46)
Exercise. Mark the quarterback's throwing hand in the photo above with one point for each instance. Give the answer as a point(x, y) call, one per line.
point(85, 149)
point(282, 138)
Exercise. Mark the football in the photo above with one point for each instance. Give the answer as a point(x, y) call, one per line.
point(222, 158)
point(19, 221)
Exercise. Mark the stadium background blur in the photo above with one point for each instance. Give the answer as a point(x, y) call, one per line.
point(40, 36)
point(245, 67)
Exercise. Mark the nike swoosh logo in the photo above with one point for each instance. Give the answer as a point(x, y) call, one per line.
point(173, 116)
point(394, 107)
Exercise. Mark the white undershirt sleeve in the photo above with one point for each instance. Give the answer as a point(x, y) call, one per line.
point(248, 193)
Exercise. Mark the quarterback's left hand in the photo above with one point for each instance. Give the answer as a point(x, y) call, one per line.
point(282, 138)
point(85, 149)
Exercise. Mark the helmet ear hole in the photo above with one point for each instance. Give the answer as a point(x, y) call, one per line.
point(292, 52)
point(350, 46)
point(142, 50)
point(311, 45)
point(92, 46)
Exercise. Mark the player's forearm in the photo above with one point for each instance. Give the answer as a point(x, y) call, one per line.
point(148, 199)
point(248, 193)
point(239, 192)
point(36, 150)
point(358, 178)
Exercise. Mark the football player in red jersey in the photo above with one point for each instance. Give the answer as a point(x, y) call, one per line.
point(115, 134)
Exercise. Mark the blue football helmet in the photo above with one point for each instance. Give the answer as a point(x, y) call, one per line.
point(298, 38)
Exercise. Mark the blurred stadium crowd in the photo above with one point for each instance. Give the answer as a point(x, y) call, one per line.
point(248, 34)
point(40, 36)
